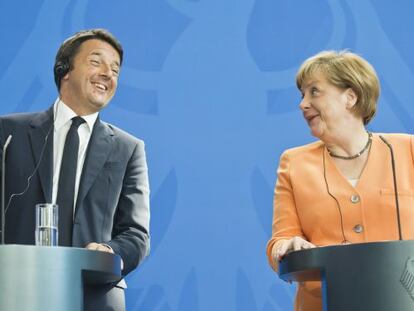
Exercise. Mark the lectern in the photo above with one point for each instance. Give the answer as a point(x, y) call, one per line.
point(42, 278)
point(367, 277)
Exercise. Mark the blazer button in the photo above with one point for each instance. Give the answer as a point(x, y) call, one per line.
point(358, 228)
point(354, 198)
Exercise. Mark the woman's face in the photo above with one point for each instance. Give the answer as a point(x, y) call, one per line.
point(325, 107)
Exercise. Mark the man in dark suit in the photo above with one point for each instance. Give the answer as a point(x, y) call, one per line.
point(103, 194)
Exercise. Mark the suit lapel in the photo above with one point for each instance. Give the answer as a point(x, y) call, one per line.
point(41, 138)
point(99, 148)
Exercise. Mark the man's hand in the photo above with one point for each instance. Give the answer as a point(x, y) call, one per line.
point(99, 247)
point(103, 248)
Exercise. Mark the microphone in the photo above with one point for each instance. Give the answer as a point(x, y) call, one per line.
point(395, 186)
point(3, 179)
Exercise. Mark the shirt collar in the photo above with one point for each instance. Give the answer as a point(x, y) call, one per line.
point(63, 114)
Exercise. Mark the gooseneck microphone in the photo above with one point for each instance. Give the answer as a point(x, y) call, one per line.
point(395, 186)
point(3, 180)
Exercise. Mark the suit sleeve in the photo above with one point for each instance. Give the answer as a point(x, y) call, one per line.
point(1, 139)
point(1, 153)
point(286, 223)
point(130, 238)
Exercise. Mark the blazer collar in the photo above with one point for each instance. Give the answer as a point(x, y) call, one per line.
point(338, 184)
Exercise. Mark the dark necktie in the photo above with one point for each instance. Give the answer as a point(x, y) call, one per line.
point(66, 186)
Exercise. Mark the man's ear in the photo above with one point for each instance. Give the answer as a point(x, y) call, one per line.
point(352, 98)
point(66, 76)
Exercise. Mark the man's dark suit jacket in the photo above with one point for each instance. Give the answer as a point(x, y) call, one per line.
point(112, 205)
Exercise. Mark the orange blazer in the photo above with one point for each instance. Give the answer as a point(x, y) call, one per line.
point(303, 207)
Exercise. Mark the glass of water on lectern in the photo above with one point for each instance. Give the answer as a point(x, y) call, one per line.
point(46, 233)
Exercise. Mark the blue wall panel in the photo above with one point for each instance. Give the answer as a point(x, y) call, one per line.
point(209, 85)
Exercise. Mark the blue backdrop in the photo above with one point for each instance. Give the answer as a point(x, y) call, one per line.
point(209, 85)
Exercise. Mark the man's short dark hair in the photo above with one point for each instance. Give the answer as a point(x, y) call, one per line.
point(70, 48)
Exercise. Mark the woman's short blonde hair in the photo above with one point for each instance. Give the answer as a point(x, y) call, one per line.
point(345, 69)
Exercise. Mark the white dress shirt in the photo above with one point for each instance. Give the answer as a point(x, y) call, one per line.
point(63, 115)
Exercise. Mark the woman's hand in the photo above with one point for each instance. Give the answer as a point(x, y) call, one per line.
point(294, 244)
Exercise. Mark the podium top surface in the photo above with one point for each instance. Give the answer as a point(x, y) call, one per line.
point(95, 265)
point(313, 264)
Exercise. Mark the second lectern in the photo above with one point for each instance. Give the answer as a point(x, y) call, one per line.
point(359, 277)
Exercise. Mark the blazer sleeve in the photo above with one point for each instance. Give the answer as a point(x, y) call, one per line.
point(286, 223)
point(130, 236)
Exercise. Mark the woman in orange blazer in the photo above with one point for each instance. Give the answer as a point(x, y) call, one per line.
point(339, 189)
